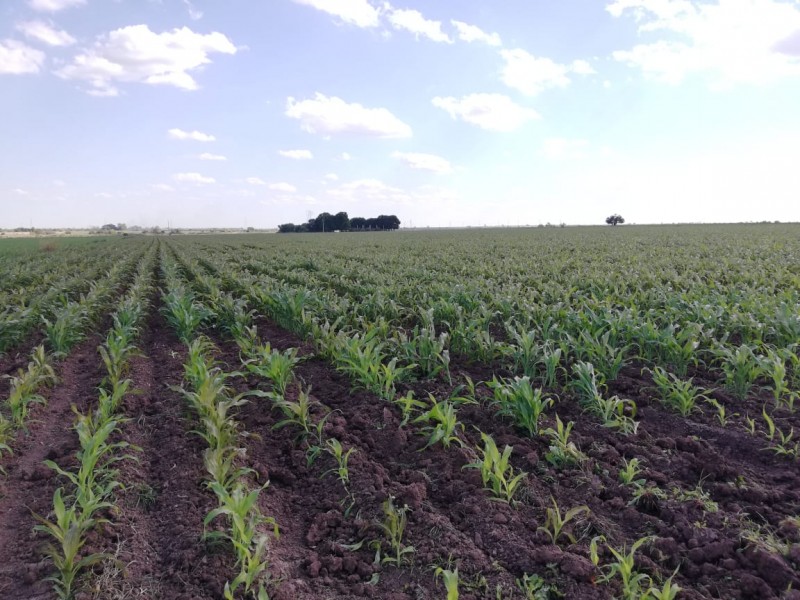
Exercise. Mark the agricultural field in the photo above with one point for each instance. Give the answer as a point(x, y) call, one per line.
point(524, 413)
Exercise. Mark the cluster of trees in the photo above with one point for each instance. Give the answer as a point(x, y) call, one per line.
point(615, 220)
point(341, 222)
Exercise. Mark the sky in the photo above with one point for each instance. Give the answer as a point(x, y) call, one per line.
point(242, 113)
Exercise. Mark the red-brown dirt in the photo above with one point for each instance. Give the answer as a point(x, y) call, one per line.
point(157, 529)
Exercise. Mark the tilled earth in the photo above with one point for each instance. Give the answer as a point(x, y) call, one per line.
point(726, 521)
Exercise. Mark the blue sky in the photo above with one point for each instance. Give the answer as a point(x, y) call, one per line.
point(243, 113)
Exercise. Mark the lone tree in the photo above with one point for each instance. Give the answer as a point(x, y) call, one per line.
point(615, 220)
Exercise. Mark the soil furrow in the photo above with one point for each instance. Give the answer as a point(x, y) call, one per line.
point(158, 534)
point(28, 488)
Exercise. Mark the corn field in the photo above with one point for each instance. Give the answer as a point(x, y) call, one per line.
point(525, 413)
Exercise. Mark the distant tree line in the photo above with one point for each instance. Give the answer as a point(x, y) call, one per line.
point(341, 222)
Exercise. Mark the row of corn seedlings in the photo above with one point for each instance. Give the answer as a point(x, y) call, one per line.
point(87, 500)
point(48, 285)
point(212, 398)
point(607, 338)
point(69, 326)
point(305, 414)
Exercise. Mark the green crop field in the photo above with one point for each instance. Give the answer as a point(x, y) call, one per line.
point(513, 413)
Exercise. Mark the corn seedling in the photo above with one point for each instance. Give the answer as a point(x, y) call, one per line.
point(667, 591)
point(741, 368)
point(408, 404)
point(562, 452)
point(634, 584)
point(441, 422)
point(68, 530)
point(393, 527)
point(680, 396)
point(629, 472)
point(297, 413)
point(334, 448)
point(450, 579)
point(521, 402)
point(184, 314)
point(722, 412)
point(555, 522)
point(66, 329)
point(533, 587)
point(497, 473)
point(780, 442)
point(274, 365)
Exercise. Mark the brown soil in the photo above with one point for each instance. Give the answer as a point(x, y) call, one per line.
point(156, 532)
point(29, 485)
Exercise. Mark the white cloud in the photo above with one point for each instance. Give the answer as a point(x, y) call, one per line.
point(297, 154)
point(532, 75)
point(471, 33)
point(283, 187)
point(355, 12)
point(135, 54)
point(17, 58)
point(333, 115)
point(209, 156)
point(163, 187)
point(494, 112)
point(192, 178)
point(20, 191)
point(197, 136)
point(582, 67)
point(564, 149)
point(194, 13)
point(331, 177)
point(255, 181)
point(345, 156)
point(413, 22)
point(45, 33)
point(378, 194)
point(734, 41)
point(424, 162)
point(53, 5)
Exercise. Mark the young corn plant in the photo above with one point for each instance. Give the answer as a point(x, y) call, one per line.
point(25, 386)
point(393, 527)
point(497, 473)
point(184, 314)
point(608, 358)
point(555, 522)
point(774, 368)
point(525, 352)
point(450, 579)
point(562, 452)
point(115, 354)
point(426, 349)
point(408, 404)
point(239, 507)
point(274, 365)
point(550, 364)
point(66, 328)
point(676, 394)
point(342, 471)
point(741, 367)
point(629, 472)
point(520, 401)
point(780, 442)
point(68, 531)
point(635, 585)
point(533, 587)
point(442, 423)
